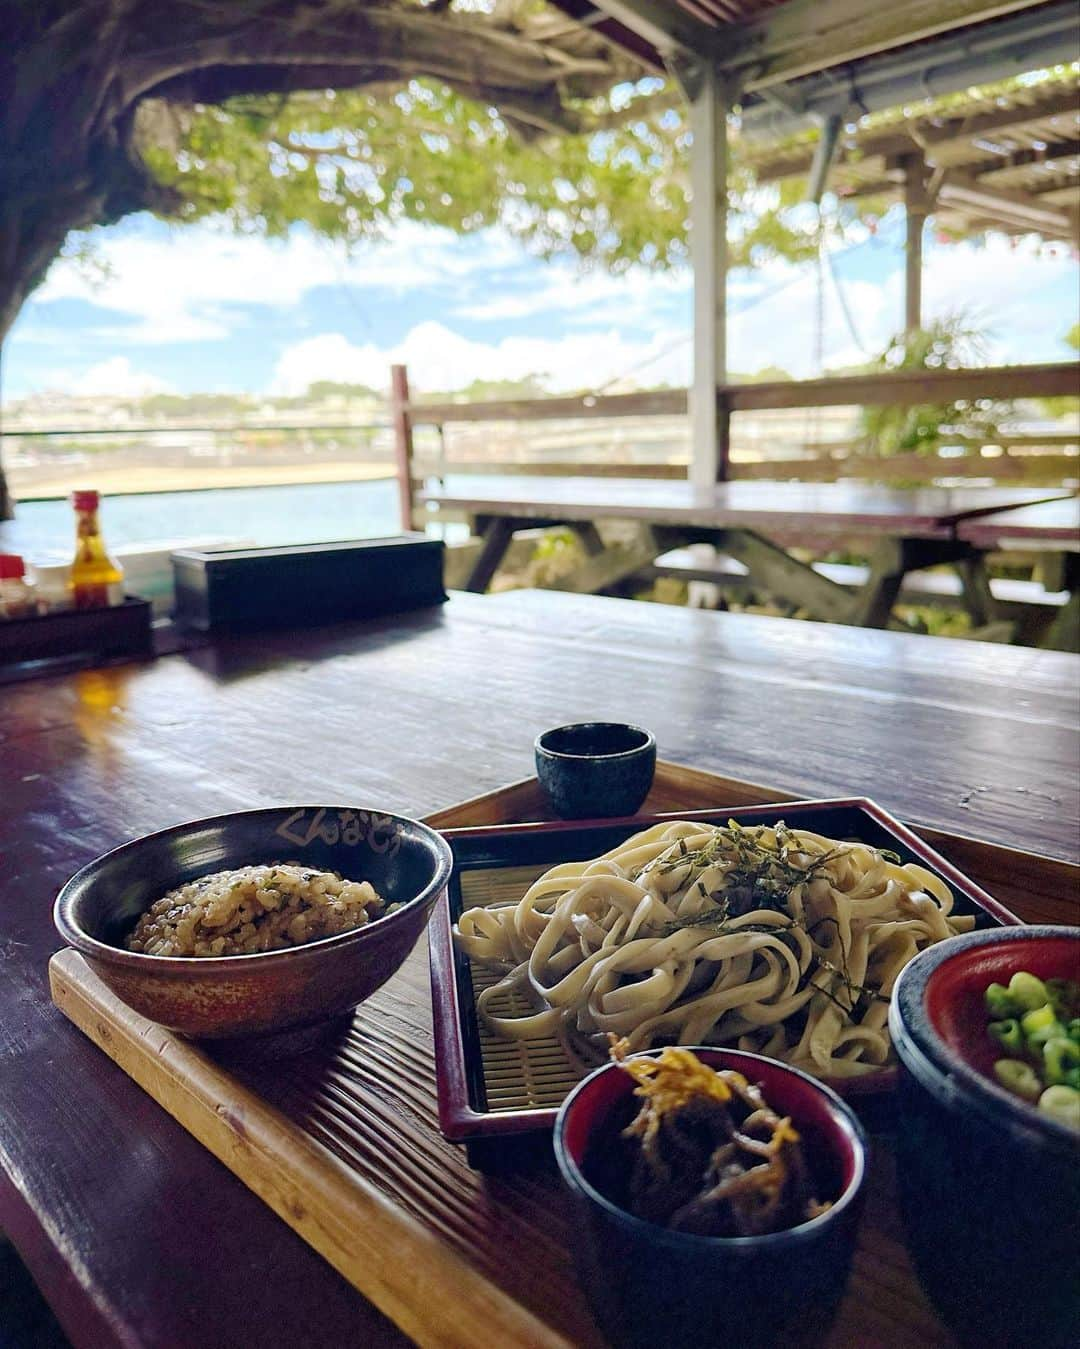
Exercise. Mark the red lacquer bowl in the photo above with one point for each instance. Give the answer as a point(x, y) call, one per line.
point(989, 1185)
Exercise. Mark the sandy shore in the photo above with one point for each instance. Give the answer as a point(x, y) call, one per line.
point(128, 480)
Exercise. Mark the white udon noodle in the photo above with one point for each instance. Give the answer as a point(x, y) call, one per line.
point(596, 947)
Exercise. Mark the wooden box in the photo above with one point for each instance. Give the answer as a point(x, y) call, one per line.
point(246, 589)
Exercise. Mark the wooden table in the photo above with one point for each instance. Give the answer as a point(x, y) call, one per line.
point(748, 521)
point(1045, 524)
point(1050, 528)
point(136, 1234)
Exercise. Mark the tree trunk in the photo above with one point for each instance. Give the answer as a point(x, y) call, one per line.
point(73, 73)
point(27, 248)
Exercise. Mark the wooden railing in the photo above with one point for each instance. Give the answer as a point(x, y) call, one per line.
point(1036, 459)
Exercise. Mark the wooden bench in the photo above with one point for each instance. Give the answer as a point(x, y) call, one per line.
point(1026, 608)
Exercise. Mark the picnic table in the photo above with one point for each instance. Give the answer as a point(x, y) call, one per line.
point(751, 522)
point(1050, 529)
point(135, 1233)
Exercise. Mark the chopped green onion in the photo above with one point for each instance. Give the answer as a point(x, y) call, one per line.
point(1008, 1033)
point(1039, 1026)
point(1059, 1055)
point(1039, 1018)
point(1000, 1003)
point(1028, 991)
point(1064, 995)
point(1038, 1039)
point(1061, 1103)
point(1018, 1077)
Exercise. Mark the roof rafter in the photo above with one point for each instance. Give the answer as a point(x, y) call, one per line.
point(664, 25)
point(1021, 209)
point(937, 137)
point(798, 37)
point(804, 36)
point(1059, 103)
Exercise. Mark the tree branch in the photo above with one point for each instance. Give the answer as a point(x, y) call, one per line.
point(451, 47)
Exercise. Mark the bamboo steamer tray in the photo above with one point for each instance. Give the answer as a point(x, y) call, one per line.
point(343, 1142)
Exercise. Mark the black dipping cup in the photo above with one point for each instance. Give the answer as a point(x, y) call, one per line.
point(595, 769)
point(651, 1287)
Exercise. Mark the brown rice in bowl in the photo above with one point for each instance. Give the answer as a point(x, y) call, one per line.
point(252, 909)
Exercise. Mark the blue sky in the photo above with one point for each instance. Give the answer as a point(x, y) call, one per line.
point(195, 308)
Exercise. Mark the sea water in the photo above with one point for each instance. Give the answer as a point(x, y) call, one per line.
point(309, 513)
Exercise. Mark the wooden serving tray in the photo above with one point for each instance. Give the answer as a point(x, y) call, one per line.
point(343, 1142)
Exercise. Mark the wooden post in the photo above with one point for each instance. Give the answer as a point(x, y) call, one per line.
point(403, 442)
point(708, 251)
point(916, 209)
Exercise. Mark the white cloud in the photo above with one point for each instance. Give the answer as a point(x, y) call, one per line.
point(176, 285)
point(1015, 291)
point(116, 378)
point(588, 298)
point(441, 359)
point(1020, 298)
point(1025, 300)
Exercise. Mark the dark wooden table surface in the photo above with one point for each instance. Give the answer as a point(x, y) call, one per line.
point(841, 508)
point(1052, 524)
point(136, 1234)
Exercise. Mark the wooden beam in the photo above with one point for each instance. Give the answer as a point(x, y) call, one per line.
point(708, 252)
point(611, 565)
point(658, 402)
point(964, 192)
point(550, 468)
point(990, 166)
point(585, 13)
point(1061, 103)
point(403, 443)
point(936, 137)
point(665, 26)
point(804, 36)
point(916, 207)
point(909, 388)
point(902, 387)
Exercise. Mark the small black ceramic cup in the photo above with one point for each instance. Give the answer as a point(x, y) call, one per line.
point(649, 1286)
point(595, 769)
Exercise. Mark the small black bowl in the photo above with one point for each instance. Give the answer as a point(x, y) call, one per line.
point(651, 1287)
point(989, 1185)
point(595, 770)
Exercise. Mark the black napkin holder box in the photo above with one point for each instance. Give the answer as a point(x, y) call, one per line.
point(306, 585)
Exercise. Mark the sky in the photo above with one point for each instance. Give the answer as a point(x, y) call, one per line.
point(194, 308)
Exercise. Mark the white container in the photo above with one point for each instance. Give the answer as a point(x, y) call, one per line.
point(51, 579)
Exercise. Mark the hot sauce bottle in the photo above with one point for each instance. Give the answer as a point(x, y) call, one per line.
point(93, 572)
